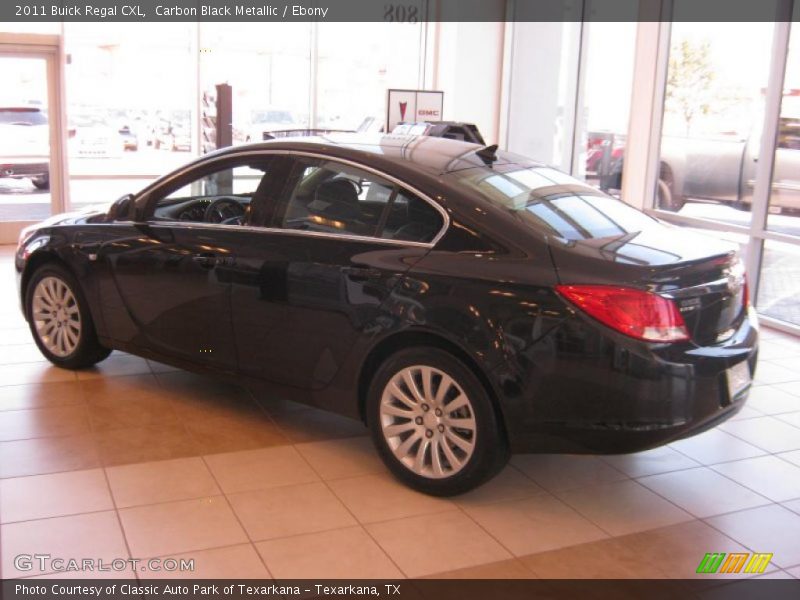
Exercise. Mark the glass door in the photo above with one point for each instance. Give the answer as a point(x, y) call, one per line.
point(26, 152)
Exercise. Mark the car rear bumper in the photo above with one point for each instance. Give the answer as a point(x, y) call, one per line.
point(620, 396)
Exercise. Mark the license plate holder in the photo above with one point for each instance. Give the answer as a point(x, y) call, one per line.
point(738, 378)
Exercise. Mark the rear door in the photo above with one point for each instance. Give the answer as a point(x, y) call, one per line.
point(338, 242)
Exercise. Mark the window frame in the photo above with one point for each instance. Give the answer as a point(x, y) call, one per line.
point(144, 202)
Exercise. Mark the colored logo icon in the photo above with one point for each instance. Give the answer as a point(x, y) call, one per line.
point(735, 562)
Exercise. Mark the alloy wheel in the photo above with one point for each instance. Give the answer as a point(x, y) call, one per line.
point(428, 421)
point(56, 316)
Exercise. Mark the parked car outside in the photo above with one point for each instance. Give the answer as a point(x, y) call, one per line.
point(25, 145)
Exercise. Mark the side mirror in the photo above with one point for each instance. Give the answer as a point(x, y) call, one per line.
point(121, 209)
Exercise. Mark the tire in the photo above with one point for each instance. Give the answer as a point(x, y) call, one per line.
point(41, 183)
point(667, 198)
point(52, 286)
point(458, 468)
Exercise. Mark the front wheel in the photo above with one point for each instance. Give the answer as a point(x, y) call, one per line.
point(433, 422)
point(60, 321)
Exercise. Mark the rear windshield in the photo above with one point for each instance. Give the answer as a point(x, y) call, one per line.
point(22, 116)
point(554, 202)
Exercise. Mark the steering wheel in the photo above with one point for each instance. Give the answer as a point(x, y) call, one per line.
point(224, 209)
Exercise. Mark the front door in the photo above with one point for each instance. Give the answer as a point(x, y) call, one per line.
point(173, 270)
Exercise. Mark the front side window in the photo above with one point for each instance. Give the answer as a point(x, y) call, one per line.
point(222, 196)
point(331, 197)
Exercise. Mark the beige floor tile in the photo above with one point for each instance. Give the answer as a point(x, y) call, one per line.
point(38, 372)
point(374, 498)
point(114, 366)
point(315, 425)
point(746, 412)
point(106, 573)
point(451, 541)
point(716, 446)
point(769, 373)
point(792, 457)
point(230, 562)
point(193, 389)
point(504, 569)
point(166, 529)
point(278, 405)
point(43, 422)
point(19, 334)
point(536, 524)
point(792, 419)
point(119, 412)
point(157, 367)
point(94, 535)
point(623, 507)
point(651, 462)
point(557, 472)
point(678, 549)
point(346, 457)
point(766, 529)
point(769, 476)
point(55, 495)
point(260, 469)
point(290, 510)
point(48, 455)
point(124, 388)
point(509, 484)
point(703, 492)
point(341, 554)
point(21, 353)
point(603, 559)
point(161, 481)
point(235, 432)
point(144, 444)
point(792, 387)
point(771, 400)
point(40, 395)
point(768, 433)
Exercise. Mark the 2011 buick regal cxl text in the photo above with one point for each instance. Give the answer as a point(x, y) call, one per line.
point(464, 302)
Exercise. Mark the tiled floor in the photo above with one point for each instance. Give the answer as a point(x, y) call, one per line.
point(136, 459)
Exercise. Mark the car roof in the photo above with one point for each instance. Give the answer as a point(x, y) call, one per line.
point(431, 155)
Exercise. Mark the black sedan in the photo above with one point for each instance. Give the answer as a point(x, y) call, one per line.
point(464, 302)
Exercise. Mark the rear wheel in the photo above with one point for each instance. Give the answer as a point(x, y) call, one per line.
point(433, 422)
point(60, 321)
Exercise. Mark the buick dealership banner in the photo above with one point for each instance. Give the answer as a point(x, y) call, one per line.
point(400, 11)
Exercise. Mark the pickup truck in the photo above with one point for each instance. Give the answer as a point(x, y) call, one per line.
point(721, 169)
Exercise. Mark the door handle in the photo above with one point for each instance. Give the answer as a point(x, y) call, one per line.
point(208, 261)
point(361, 273)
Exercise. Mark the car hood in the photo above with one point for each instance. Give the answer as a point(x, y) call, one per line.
point(81, 215)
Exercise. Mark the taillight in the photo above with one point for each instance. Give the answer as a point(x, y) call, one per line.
point(639, 314)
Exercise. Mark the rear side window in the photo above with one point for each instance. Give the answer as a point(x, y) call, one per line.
point(554, 202)
point(411, 219)
point(334, 198)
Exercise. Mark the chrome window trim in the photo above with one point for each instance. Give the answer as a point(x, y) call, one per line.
point(308, 154)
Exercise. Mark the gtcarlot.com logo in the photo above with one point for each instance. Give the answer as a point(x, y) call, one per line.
point(735, 562)
point(48, 563)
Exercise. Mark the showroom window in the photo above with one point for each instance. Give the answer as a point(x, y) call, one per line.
point(130, 100)
point(729, 154)
point(267, 65)
point(356, 64)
